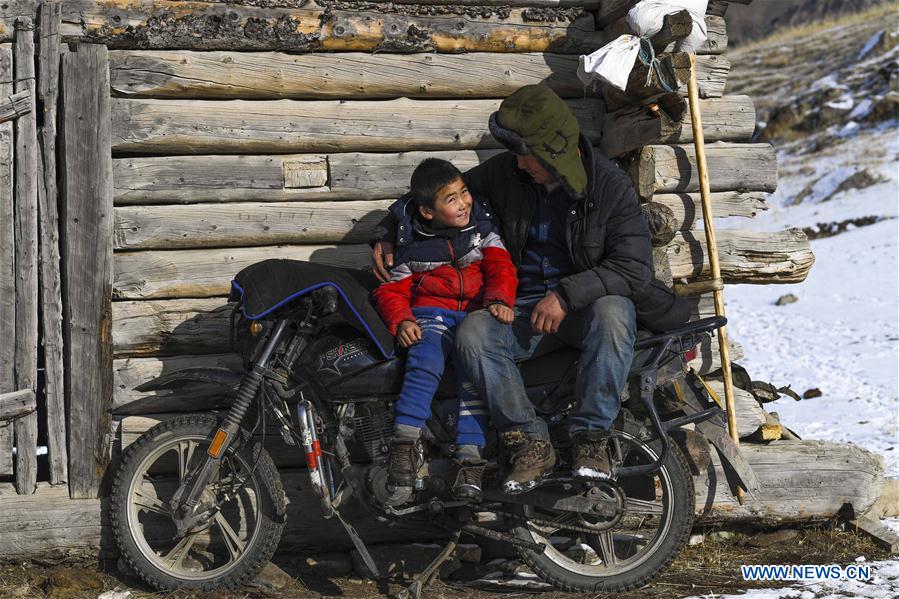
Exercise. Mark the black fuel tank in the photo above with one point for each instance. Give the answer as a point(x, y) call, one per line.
point(347, 364)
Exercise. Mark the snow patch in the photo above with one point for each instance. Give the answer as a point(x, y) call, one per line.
point(870, 44)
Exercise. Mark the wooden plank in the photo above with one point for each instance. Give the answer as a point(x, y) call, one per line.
point(170, 327)
point(687, 210)
point(801, 481)
point(246, 224)
point(729, 118)
point(279, 126)
point(207, 273)
point(10, 10)
point(750, 415)
point(746, 256)
point(14, 106)
point(163, 24)
point(743, 167)
point(17, 404)
point(26, 235)
point(87, 258)
point(48, 216)
point(349, 176)
point(7, 260)
point(350, 75)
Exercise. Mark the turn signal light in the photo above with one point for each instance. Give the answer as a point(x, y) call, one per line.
point(215, 448)
point(255, 328)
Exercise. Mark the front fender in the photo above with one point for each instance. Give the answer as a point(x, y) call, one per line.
point(225, 377)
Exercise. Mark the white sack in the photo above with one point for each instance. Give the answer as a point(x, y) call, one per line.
point(612, 63)
point(647, 17)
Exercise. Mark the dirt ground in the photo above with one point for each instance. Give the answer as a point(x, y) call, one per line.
point(710, 567)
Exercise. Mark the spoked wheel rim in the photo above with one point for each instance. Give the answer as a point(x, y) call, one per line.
point(603, 548)
point(210, 551)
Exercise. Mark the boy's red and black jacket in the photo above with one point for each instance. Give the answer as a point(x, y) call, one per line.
point(464, 270)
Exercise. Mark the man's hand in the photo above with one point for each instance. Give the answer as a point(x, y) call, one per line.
point(548, 314)
point(382, 259)
point(502, 313)
point(408, 333)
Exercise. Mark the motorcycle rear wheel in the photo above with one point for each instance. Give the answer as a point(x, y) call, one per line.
point(615, 556)
point(238, 540)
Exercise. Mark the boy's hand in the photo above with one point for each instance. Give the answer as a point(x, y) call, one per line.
point(408, 333)
point(502, 313)
point(382, 260)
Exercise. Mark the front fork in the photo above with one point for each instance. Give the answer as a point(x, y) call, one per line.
point(186, 499)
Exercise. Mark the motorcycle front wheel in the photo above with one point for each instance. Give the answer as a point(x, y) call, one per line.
point(246, 497)
point(587, 554)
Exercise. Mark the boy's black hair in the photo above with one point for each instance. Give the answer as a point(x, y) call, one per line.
point(428, 177)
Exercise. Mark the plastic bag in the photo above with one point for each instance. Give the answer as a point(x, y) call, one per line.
point(647, 18)
point(612, 63)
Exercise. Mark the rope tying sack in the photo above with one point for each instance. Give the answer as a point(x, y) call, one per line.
point(647, 56)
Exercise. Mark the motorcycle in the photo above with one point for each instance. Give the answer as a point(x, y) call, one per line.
point(198, 503)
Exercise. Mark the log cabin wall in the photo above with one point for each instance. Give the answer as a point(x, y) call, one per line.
point(239, 131)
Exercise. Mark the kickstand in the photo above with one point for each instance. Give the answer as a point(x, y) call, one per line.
point(427, 576)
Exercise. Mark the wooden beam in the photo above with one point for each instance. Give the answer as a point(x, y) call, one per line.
point(208, 273)
point(665, 169)
point(665, 120)
point(26, 234)
point(716, 42)
point(170, 328)
point(87, 258)
point(7, 260)
point(280, 126)
point(163, 24)
point(14, 106)
point(349, 176)
point(344, 75)
point(750, 414)
point(246, 224)
point(51, 277)
point(801, 481)
point(17, 404)
point(10, 10)
point(675, 26)
point(746, 256)
point(686, 206)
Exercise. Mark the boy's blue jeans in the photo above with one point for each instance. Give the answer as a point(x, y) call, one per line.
point(604, 331)
point(424, 368)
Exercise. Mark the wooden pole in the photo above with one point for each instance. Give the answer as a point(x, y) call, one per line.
point(7, 261)
point(714, 265)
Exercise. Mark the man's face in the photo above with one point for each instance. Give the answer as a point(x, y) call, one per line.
point(452, 205)
point(533, 167)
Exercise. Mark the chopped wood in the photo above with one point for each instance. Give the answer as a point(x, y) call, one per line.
point(86, 188)
point(746, 256)
point(801, 481)
point(882, 535)
point(14, 106)
point(667, 120)
point(163, 24)
point(672, 168)
point(51, 276)
point(251, 127)
point(675, 26)
point(348, 75)
point(170, 327)
point(349, 176)
point(17, 404)
point(246, 224)
point(207, 273)
point(661, 222)
point(7, 260)
point(26, 240)
point(725, 204)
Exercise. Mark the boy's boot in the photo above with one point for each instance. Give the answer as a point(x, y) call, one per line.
point(405, 457)
point(471, 471)
point(590, 455)
point(531, 460)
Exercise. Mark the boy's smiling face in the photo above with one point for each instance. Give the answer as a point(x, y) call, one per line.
point(452, 205)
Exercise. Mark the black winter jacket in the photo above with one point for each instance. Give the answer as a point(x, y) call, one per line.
point(607, 235)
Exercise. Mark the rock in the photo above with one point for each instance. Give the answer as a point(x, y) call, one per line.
point(272, 578)
point(468, 552)
point(812, 393)
point(788, 298)
point(767, 539)
point(721, 535)
point(70, 582)
point(403, 561)
point(696, 539)
point(331, 564)
point(116, 593)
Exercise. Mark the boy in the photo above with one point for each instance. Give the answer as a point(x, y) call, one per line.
point(449, 261)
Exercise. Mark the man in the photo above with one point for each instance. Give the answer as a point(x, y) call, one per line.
point(572, 223)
